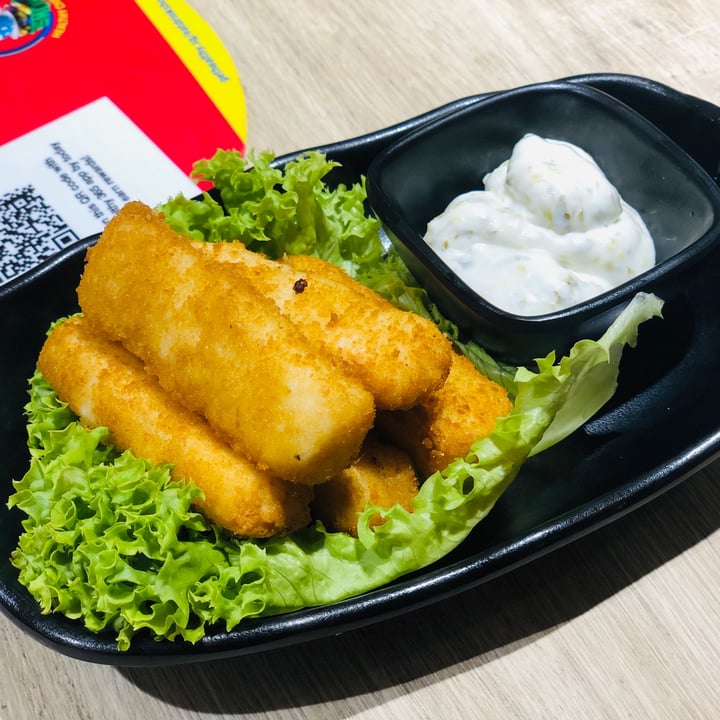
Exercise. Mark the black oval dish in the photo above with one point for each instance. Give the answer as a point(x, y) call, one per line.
point(601, 472)
point(414, 179)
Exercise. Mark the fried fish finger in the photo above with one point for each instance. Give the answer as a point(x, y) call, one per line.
point(223, 349)
point(383, 476)
point(107, 386)
point(443, 427)
point(399, 356)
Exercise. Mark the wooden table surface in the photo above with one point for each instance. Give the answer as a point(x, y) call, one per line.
point(623, 623)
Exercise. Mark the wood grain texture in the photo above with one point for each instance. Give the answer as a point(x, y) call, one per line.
point(622, 623)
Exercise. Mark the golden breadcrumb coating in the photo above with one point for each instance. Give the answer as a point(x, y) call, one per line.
point(383, 476)
point(400, 357)
point(107, 386)
point(222, 349)
point(444, 426)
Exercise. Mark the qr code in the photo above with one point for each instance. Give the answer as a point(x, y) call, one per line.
point(31, 231)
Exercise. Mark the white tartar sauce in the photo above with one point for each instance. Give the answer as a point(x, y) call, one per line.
point(547, 232)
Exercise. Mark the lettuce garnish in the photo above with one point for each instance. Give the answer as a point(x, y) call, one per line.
point(113, 542)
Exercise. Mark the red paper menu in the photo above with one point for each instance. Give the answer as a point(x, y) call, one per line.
point(102, 102)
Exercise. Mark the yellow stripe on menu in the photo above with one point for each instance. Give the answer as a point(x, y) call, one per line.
point(201, 51)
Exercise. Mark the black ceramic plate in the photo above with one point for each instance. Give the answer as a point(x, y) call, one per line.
point(660, 427)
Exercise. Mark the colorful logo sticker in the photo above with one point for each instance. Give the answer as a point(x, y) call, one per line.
point(24, 24)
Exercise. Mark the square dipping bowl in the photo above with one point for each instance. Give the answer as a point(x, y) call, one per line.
point(413, 180)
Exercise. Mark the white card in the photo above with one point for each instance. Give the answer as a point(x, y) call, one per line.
point(65, 180)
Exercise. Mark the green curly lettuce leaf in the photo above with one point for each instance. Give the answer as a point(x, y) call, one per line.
point(277, 211)
point(111, 541)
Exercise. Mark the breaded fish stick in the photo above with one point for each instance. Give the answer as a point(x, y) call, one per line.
point(222, 349)
point(107, 386)
point(383, 475)
point(443, 427)
point(399, 356)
